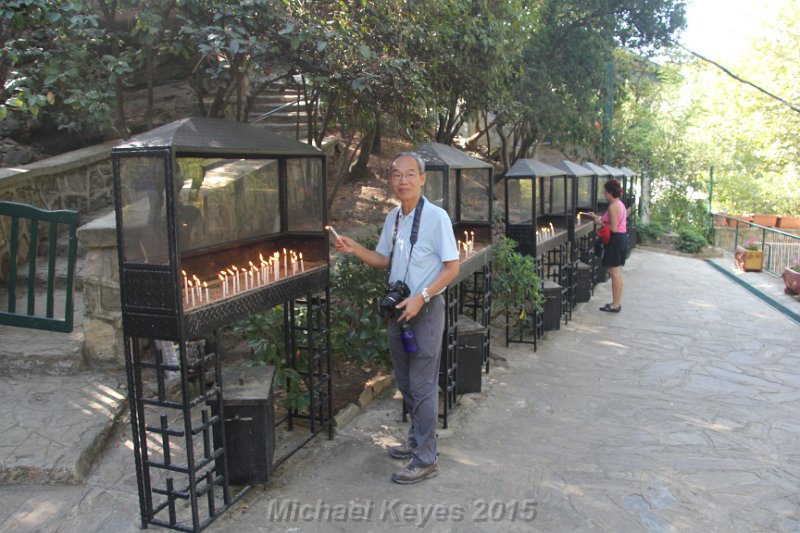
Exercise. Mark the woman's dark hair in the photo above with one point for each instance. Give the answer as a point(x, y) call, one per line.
point(613, 188)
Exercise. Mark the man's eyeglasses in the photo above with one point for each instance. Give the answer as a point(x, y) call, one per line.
point(397, 177)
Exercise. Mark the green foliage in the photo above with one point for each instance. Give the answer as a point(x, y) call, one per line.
point(265, 335)
point(649, 232)
point(690, 241)
point(750, 138)
point(515, 284)
point(558, 85)
point(357, 331)
point(675, 210)
point(49, 63)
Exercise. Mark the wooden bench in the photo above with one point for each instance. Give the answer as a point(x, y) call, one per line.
point(22, 215)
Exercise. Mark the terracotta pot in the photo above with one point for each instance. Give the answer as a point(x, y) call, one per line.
point(739, 221)
point(791, 278)
point(748, 260)
point(789, 222)
point(765, 220)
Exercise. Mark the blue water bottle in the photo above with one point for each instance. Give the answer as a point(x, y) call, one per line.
point(407, 335)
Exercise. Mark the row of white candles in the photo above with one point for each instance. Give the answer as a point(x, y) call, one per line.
point(254, 275)
point(468, 244)
point(544, 233)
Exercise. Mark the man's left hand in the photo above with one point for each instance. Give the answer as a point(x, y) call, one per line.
point(410, 307)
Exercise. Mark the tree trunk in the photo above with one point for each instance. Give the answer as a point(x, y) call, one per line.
point(644, 201)
point(472, 141)
point(149, 74)
point(344, 162)
point(376, 141)
point(360, 170)
point(503, 148)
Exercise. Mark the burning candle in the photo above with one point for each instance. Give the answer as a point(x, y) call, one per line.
point(330, 228)
point(233, 281)
point(191, 287)
point(302, 267)
point(185, 280)
point(253, 267)
point(223, 276)
point(205, 286)
point(285, 264)
point(235, 273)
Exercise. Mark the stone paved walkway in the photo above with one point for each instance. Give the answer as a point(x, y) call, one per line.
point(680, 413)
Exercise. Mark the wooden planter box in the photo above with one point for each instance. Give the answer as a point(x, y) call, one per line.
point(791, 278)
point(748, 260)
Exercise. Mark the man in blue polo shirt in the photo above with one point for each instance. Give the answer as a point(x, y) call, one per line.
point(426, 267)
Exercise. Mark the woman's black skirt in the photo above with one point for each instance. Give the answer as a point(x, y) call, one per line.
point(615, 252)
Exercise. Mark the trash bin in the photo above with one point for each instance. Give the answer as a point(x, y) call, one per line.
point(249, 424)
point(583, 288)
point(469, 365)
point(552, 305)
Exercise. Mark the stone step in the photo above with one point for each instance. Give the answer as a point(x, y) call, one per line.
point(277, 99)
point(280, 117)
point(25, 350)
point(42, 271)
point(55, 427)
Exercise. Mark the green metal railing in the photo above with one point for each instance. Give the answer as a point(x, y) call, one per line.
point(22, 216)
point(780, 247)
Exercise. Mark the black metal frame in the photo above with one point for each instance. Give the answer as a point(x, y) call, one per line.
point(551, 256)
point(152, 308)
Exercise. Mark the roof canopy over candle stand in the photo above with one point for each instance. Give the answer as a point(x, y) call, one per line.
point(584, 198)
point(462, 185)
point(602, 176)
point(216, 221)
point(538, 204)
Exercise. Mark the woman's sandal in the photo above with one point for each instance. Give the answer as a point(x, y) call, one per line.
point(608, 309)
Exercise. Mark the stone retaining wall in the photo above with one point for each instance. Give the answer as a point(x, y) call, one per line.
point(102, 323)
point(80, 180)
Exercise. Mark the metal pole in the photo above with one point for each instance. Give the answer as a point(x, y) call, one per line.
point(710, 200)
point(608, 111)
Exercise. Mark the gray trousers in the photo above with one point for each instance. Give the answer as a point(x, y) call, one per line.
point(417, 376)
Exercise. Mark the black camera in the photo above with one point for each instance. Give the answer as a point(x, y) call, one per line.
point(395, 293)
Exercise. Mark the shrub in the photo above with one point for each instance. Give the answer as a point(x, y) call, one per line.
point(515, 284)
point(265, 335)
point(357, 331)
point(691, 241)
point(649, 232)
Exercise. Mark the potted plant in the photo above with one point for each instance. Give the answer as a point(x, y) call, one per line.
point(791, 277)
point(748, 257)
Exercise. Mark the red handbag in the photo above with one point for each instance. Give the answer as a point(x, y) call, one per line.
point(604, 233)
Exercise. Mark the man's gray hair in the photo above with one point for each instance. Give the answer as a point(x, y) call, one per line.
point(415, 155)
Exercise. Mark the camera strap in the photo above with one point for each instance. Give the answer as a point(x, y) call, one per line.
point(413, 240)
